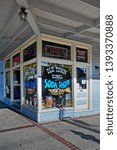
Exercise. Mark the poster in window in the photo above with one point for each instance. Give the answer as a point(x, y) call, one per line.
point(56, 85)
point(81, 55)
point(55, 50)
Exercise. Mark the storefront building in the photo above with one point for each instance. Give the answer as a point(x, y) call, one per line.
point(47, 73)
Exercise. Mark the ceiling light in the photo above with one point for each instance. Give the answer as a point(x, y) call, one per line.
point(23, 14)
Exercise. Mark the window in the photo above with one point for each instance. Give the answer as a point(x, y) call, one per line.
point(29, 52)
point(7, 64)
point(30, 84)
point(81, 55)
point(16, 59)
point(16, 84)
point(7, 87)
point(81, 77)
point(56, 85)
point(50, 49)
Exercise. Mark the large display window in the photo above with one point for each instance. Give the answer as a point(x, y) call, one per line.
point(56, 85)
point(30, 84)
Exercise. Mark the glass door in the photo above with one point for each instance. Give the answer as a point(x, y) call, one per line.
point(16, 86)
point(82, 87)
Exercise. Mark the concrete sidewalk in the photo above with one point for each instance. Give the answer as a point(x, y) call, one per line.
point(19, 133)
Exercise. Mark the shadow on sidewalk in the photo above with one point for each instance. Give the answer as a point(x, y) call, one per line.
point(82, 125)
point(86, 136)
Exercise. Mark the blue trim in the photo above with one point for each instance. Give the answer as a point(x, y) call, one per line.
point(32, 114)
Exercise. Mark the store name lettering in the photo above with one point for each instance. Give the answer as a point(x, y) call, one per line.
point(56, 85)
point(56, 70)
point(31, 83)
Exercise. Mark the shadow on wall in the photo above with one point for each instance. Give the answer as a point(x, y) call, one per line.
point(86, 136)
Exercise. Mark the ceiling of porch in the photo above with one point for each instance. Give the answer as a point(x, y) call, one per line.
point(72, 19)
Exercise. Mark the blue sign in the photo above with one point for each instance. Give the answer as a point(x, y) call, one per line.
point(31, 83)
point(55, 85)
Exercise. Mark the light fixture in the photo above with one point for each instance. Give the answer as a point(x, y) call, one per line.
point(23, 14)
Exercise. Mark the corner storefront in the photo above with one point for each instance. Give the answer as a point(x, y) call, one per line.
point(48, 73)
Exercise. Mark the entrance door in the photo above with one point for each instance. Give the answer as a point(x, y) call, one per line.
point(16, 87)
point(82, 87)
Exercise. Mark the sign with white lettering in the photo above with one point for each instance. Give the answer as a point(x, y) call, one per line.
point(56, 85)
point(81, 55)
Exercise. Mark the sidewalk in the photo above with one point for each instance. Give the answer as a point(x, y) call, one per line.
point(19, 133)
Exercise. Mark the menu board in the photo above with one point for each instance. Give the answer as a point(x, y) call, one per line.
point(81, 55)
point(50, 49)
point(29, 52)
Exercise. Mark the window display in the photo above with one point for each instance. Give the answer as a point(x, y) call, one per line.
point(56, 85)
point(30, 84)
point(8, 88)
